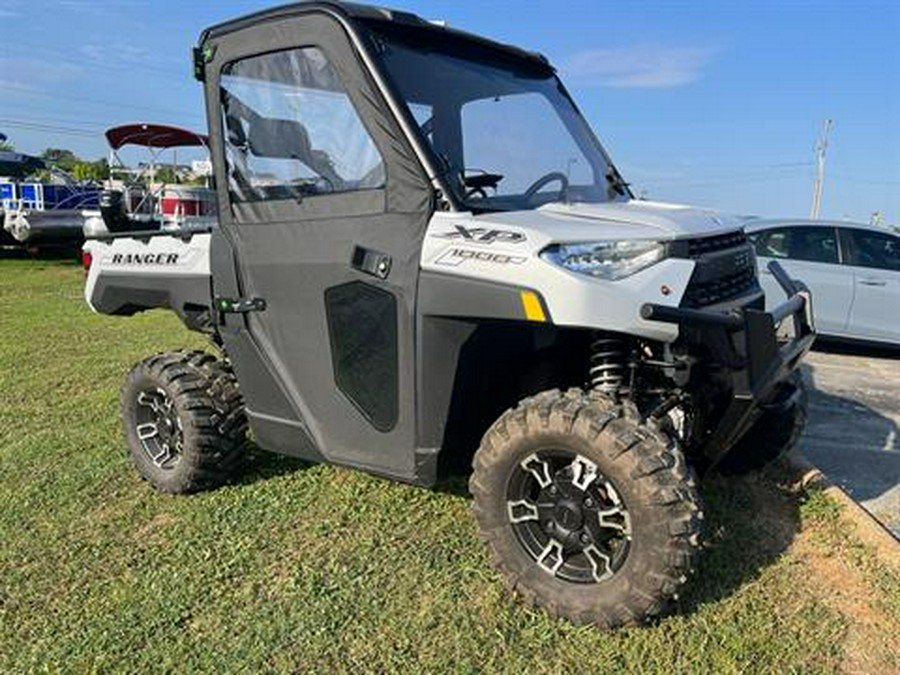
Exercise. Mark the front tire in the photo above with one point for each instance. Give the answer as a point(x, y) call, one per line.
point(587, 512)
point(184, 421)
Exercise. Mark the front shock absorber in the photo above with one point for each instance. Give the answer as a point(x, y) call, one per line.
point(609, 355)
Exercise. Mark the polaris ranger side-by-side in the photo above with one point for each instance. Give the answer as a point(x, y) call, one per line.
point(423, 250)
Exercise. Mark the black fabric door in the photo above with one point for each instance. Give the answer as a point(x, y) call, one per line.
point(325, 207)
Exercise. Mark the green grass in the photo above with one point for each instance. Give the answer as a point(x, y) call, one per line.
point(303, 568)
point(830, 531)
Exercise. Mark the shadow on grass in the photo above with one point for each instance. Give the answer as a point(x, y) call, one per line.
point(455, 484)
point(749, 523)
point(262, 465)
point(61, 253)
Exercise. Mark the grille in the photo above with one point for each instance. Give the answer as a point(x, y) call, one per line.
point(714, 291)
point(719, 242)
point(726, 269)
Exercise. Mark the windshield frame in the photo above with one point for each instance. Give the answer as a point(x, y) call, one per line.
point(381, 36)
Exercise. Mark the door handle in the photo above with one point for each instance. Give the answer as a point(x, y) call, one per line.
point(872, 282)
point(371, 262)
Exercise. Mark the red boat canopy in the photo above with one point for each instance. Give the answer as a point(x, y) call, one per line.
point(154, 136)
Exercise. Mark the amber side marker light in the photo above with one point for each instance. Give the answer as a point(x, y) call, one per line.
point(531, 303)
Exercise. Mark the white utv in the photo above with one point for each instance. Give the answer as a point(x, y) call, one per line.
point(425, 258)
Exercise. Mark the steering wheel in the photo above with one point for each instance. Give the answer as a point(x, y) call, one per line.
point(546, 179)
point(478, 183)
point(477, 190)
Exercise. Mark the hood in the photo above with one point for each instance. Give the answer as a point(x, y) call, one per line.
point(617, 220)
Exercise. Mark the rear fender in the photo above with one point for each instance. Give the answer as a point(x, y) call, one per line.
point(134, 274)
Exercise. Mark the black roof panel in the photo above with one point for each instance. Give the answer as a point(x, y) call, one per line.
point(366, 14)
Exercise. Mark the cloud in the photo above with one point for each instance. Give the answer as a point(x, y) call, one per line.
point(120, 52)
point(24, 73)
point(638, 66)
point(100, 8)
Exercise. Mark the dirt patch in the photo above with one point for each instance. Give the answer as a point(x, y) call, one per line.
point(871, 645)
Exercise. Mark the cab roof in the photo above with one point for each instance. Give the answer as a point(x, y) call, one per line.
point(373, 16)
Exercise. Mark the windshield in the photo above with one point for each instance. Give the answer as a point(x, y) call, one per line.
point(504, 131)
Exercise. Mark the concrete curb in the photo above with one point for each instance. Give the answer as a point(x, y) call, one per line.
point(870, 531)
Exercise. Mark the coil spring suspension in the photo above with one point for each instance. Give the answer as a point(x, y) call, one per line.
point(608, 363)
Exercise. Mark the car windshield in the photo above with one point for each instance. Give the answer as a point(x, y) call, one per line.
point(503, 130)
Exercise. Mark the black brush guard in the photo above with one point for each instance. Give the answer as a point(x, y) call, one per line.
point(759, 362)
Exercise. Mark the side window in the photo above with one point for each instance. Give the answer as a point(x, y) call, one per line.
point(771, 243)
point(815, 244)
point(872, 249)
point(291, 130)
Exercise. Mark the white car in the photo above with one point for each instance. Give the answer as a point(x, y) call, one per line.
point(852, 269)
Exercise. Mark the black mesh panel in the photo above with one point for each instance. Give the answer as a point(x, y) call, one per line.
point(362, 326)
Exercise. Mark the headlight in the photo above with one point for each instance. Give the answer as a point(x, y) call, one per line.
point(606, 259)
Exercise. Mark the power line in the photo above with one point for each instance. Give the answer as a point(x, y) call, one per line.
point(869, 181)
point(99, 63)
point(85, 99)
point(47, 127)
point(751, 175)
point(48, 123)
point(720, 182)
point(92, 124)
point(733, 169)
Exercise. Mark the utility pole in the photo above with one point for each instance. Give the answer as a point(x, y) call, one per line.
point(821, 147)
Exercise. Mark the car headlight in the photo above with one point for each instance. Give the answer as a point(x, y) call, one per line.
point(606, 259)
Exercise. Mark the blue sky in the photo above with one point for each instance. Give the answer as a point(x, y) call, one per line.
point(711, 103)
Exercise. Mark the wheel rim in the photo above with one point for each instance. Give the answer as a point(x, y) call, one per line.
point(568, 517)
point(158, 428)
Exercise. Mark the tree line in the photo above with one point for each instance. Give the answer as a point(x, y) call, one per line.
point(78, 168)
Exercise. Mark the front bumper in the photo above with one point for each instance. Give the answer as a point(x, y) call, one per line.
point(747, 342)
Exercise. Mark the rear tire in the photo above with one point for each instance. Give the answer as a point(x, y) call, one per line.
point(607, 539)
point(184, 421)
point(772, 436)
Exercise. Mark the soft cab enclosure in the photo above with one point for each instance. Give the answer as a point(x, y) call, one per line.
point(337, 264)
